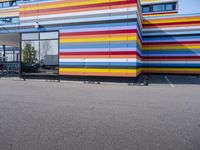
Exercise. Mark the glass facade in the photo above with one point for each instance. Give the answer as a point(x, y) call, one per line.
point(40, 53)
point(9, 4)
point(10, 54)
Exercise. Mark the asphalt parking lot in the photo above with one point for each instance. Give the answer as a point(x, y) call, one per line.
point(38, 115)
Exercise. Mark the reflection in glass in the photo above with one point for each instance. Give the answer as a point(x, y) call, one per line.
point(39, 57)
point(30, 56)
point(158, 8)
point(49, 55)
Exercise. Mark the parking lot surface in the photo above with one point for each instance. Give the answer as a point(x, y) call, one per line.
point(38, 115)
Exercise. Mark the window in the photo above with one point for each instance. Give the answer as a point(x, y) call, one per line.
point(33, 47)
point(15, 20)
point(146, 9)
point(7, 20)
point(169, 6)
point(11, 54)
point(49, 52)
point(6, 4)
point(30, 36)
point(13, 3)
point(159, 7)
point(40, 53)
point(9, 4)
point(49, 35)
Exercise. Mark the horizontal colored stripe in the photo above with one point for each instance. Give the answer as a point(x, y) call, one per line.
point(99, 53)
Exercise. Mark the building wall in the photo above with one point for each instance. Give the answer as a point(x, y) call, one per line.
point(9, 12)
point(112, 38)
point(171, 44)
point(97, 37)
point(6, 13)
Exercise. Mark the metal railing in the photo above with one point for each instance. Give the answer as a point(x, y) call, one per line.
point(9, 69)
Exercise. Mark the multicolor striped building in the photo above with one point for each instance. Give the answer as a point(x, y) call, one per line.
point(116, 38)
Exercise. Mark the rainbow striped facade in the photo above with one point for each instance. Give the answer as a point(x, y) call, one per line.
point(171, 44)
point(112, 37)
point(97, 37)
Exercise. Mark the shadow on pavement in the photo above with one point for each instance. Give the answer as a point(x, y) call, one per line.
point(173, 79)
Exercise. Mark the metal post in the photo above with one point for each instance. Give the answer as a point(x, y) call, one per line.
point(4, 53)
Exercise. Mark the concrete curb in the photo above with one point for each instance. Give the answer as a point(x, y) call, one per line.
point(72, 82)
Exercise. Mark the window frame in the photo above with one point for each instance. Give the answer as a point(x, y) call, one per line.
point(39, 40)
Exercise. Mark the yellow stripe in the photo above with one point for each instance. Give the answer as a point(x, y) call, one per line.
point(130, 38)
point(63, 70)
point(153, 21)
point(69, 4)
point(165, 14)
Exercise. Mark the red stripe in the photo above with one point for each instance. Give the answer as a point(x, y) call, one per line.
point(99, 32)
point(110, 4)
point(99, 53)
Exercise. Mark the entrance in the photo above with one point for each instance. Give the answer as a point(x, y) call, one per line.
point(39, 55)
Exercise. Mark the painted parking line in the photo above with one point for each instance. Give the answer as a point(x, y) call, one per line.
point(169, 82)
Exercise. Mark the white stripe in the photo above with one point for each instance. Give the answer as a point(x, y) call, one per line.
point(98, 29)
point(97, 60)
point(98, 50)
point(81, 20)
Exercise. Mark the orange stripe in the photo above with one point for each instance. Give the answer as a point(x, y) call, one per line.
point(101, 74)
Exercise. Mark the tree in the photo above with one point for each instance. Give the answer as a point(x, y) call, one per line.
point(29, 54)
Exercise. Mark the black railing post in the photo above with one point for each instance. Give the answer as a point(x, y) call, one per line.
point(4, 53)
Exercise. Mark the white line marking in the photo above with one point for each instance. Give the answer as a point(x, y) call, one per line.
point(169, 82)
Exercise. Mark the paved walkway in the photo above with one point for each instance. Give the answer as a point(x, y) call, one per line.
point(37, 115)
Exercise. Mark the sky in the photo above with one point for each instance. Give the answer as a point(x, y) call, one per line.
point(189, 6)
